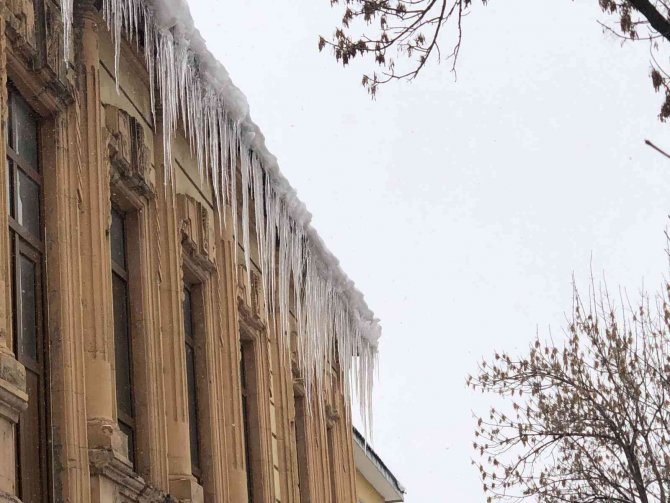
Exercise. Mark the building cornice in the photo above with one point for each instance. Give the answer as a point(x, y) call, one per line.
point(371, 466)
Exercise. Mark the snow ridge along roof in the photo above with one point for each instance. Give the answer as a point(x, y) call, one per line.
point(190, 83)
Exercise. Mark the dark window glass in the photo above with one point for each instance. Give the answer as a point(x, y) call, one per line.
point(10, 132)
point(124, 399)
point(24, 130)
point(192, 390)
point(188, 313)
point(122, 335)
point(301, 448)
point(10, 187)
point(28, 211)
point(118, 239)
point(192, 406)
point(246, 420)
point(28, 279)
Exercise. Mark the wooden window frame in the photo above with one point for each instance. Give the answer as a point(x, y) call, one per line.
point(24, 244)
point(301, 436)
point(131, 191)
point(254, 420)
point(126, 421)
point(247, 359)
point(196, 275)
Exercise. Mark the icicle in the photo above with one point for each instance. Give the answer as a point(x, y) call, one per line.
point(297, 270)
point(261, 231)
point(245, 162)
point(67, 9)
point(270, 279)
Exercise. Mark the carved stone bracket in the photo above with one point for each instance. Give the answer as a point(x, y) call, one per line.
point(105, 434)
point(332, 414)
point(129, 156)
point(196, 232)
point(250, 294)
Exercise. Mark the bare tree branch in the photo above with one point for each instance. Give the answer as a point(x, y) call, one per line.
point(402, 36)
point(586, 420)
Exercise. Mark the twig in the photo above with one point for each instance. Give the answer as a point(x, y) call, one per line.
point(660, 151)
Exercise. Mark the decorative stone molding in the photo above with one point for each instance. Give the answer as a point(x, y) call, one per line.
point(131, 487)
point(251, 325)
point(20, 22)
point(129, 156)
point(196, 232)
point(12, 372)
point(249, 293)
point(37, 38)
point(53, 61)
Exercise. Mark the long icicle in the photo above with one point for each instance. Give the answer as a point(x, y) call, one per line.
point(298, 271)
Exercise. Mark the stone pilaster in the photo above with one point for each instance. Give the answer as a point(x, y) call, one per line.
point(253, 334)
point(182, 483)
point(62, 167)
point(227, 307)
point(200, 267)
point(281, 362)
point(96, 289)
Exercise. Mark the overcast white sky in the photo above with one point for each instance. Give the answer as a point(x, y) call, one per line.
point(461, 209)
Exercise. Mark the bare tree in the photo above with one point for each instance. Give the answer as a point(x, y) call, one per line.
point(401, 36)
point(588, 419)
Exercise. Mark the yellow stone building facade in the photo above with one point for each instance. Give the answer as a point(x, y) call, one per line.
point(141, 356)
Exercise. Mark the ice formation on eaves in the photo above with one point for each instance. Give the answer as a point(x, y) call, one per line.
point(189, 82)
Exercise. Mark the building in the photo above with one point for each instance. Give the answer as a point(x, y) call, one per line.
point(171, 327)
point(374, 481)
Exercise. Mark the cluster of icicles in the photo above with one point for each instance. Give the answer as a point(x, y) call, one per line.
point(331, 314)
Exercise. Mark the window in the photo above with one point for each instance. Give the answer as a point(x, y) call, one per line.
point(122, 336)
point(246, 369)
point(300, 427)
point(30, 345)
point(191, 383)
